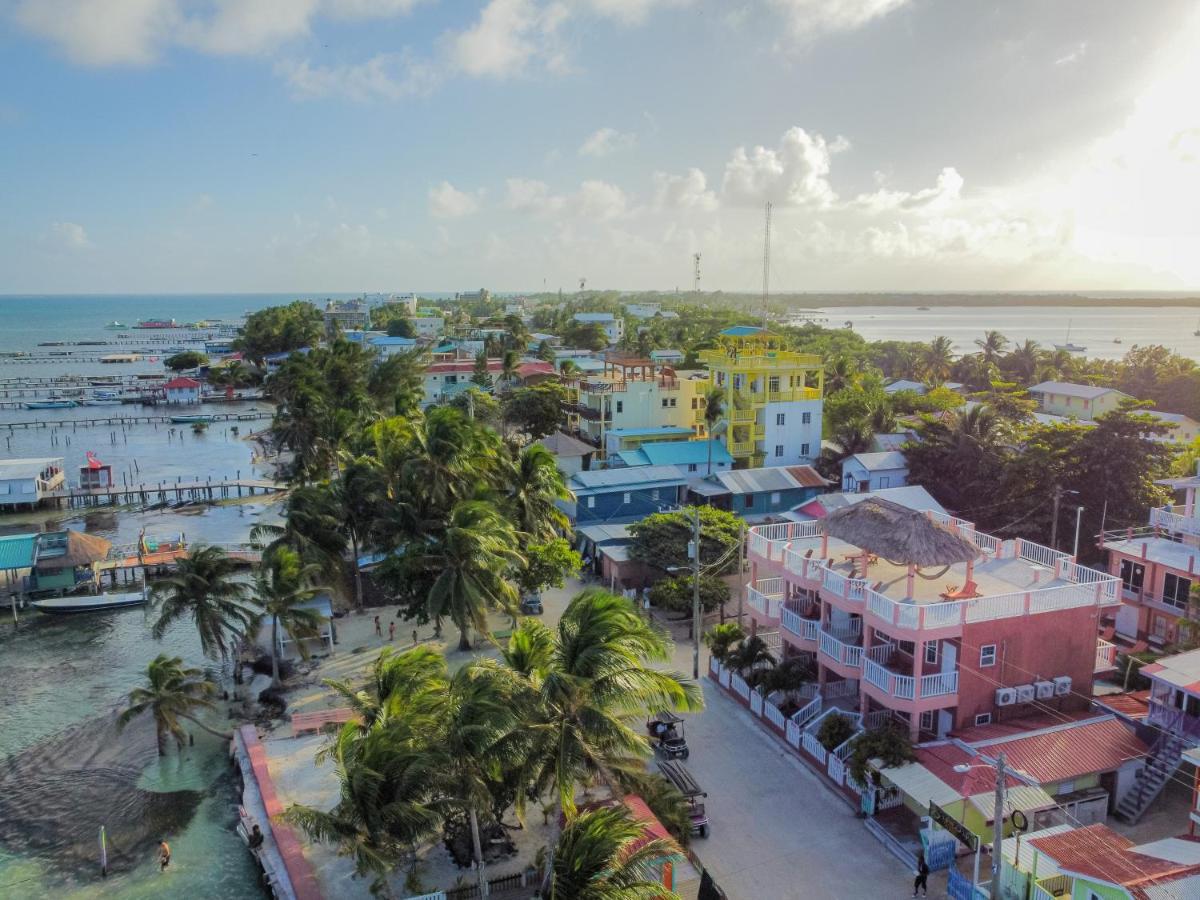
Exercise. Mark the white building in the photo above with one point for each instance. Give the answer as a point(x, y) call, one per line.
point(428, 327)
point(182, 390)
point(643, 310)
point(866, 472)
point(26, 482)
point(614, 326)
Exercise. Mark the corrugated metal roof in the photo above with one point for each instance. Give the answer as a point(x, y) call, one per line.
point(918, 782)
point(1069, 751)
point(1174, 849)
point(601, 534)
point(564, 445)
point(1026, 797)
point(754, 481)
point(743, 331)
point(682, 453)
point(1181, 670)
point(1134, 705)
point(1045, 866)
point(1097, 852)
point(645, 476)
point(16, 551)
point(807, 476)
point(633, 458)
point(1187, 888)
point(661, 429)
point(1067, 389)
point(888, 459)
point(28, 467)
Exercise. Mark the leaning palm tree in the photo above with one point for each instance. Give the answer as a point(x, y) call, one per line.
point(535, 486)
point(414, 680)
point(568, 368)
point(936, 358)
point(472, 557)
point(283, 585)
point(604, 854)
point(203, 588)
point(991, 345)
point(594, 681)
point(714, 410)
point(173, 693)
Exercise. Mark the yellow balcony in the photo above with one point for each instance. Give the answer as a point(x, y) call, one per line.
point(742, 416)
point(741, 448)
point(760, 432)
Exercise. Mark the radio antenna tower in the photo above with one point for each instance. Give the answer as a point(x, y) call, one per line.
point(766, 262)
point(696, 273)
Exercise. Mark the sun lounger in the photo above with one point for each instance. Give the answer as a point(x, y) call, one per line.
point(968, 591)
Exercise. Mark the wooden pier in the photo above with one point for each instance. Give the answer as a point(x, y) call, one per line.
point(134, 420)
point(165, 492)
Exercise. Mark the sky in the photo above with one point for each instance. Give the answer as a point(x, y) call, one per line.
point(521, 145)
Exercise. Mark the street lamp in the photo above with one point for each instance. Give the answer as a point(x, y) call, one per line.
point(1078, 517)
point(997, 816)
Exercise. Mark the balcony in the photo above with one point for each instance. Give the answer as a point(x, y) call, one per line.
point(802, 625)
point(903, 685)
point(765, 598)
point(741, 448)
point(1166, 518)
point(742, 416)
point(1106, 656)
point(838, 648)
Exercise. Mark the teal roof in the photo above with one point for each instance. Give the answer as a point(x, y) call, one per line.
point(633, 458)
point(682, 453)
point(16, 551)
point(634, 432)
point(743, 331)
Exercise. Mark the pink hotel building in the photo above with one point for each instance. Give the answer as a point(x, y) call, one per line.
point(889, 646)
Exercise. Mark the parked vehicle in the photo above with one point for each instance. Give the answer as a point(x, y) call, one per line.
point(531, 605)
point(667, 730)
point(679, 776)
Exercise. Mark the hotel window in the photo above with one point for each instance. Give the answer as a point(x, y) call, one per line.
point(620, 406)
point(774, 498)
point(664, 402)
point(1176, 590)
point(591, 502)
point(626, 498)
point(695, 402)
point(780, 418)
point(773, 384)
point(672, 401)
point(1132, 575)
point(691, 467)
point(931, 652)
point(806, 418)
point(779, 449)
point(987, 655)
point(927, 720)
point(804, 449)
point(983, 719)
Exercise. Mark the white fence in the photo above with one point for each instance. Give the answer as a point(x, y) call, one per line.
point(1166, 518)
point(772, 714)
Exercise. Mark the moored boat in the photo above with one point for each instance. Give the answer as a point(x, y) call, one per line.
point(115, 326)
point(157, 323)
point(85, 603)
point(50, 404)
point(1068, 346)
point(191, 420)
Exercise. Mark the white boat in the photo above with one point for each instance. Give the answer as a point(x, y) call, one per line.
point(85, 603)
point(1068, 346)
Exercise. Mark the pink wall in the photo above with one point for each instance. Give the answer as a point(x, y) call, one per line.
point(1034, 648)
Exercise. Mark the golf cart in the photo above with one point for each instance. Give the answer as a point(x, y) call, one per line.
point(532, 605)
point(667, 729)
point(675, 773)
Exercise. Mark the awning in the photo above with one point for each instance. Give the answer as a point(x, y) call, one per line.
point(917, 782)
point(1026, 797)
point(708, 488)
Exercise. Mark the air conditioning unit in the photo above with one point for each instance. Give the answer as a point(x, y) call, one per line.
point(1025, 693)
point(1062, 685)
point(1045, 689)
point(1006, 696)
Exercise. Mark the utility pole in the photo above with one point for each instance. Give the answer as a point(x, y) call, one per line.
point(1078, 517)
point(741, 587)
point(766, 262)
point(1058, 492)
point(697, 623)
point(998, 825)
point(695, 274)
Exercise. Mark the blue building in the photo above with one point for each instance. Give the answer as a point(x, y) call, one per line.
point(691, 458)
point(866, 472)
point(759, 494)
point(625, 494)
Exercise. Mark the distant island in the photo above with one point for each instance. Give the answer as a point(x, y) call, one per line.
point(966, 298)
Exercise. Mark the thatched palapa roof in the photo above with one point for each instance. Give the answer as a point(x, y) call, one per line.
point(82, 550)
point(898, 534)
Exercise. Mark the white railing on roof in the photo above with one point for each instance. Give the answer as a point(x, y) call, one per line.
point(1166, 518)
point(840, 651)
point(803, 628)
point(997, 606)
point(766, 603)
point(1043, 556)
point(803, 565)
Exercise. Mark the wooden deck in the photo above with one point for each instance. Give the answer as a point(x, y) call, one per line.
point(302, 723)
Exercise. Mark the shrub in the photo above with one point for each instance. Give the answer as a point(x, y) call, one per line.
point(720, 640)
point(889, 743)
point(835, 730)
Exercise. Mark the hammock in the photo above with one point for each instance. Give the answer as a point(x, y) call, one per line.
point(920, 574)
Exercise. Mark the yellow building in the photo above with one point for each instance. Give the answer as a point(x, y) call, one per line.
point(773, 397)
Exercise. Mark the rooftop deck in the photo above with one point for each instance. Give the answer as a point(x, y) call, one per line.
point(1012, 578)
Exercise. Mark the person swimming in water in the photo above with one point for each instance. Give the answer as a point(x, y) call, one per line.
point(164, 856)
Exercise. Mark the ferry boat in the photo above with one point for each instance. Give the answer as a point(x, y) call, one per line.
point(85, 603)
point(50, 404)
point(157, 323)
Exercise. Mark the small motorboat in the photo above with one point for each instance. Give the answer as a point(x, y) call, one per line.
point(191, 419)
point(1116, 340)
point(103, 401)
point(50, 404)
point(115, 325)
point(85, 603)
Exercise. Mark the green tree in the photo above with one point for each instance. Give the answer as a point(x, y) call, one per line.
point(510, 363)
point(283, 585)
point(535, 487)
point(188, 359)
point(721, 639)
point(834, 731)
point(714, 411)
point(396, 384)
point(991, 346)
point(312, 527)
point(536, 411)
point(358, 493)
point(661, 540)
point(279, 329)
point(889, 743)
point(547, 565)
point(477, 406)
point(172, 693)
point(409, 684)
point(481, 376)
point(605, 855)
point(936, 359)
point(401, 326)
point(675, 594)
point(203, 588)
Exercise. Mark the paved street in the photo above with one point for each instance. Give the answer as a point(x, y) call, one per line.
point(777, 831)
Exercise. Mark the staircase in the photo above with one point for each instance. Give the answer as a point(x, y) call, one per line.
point(1160, 765)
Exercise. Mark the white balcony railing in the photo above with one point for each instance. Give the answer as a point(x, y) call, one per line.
point(939, 684)
point(904, 687)
point(1166, 518)
point(765, 596)
point(805, 629)
point(1106, 655)
point(840, 651)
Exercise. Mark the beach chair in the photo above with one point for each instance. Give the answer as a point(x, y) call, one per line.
point(968, 591)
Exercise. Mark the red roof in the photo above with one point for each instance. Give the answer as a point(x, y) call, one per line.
point(641, 812)
point(181, 382)
point(1100, 853)
point(980, 778)
point(1134, 705)
point(807, 476)
point(535, 368)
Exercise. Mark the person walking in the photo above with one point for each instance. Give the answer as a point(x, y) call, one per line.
point(378, 628)
point(922, 879)
point(164, 856)
point(391, 631)
point(415, 641)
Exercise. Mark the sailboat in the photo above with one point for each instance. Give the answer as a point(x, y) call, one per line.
point(1067, 345)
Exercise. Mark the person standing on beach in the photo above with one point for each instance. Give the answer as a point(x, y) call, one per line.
point(378, 629)
point(391, 631)
point(922, 879)
point(164, 856)
point(415, 641)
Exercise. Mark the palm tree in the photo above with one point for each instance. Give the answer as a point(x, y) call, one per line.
point(992, 344)
point(594, 679)
point(534, 486)
point(203, 588)
point(358, 493)
point(509, 364)
point(173, 693)
point(568, 368)
point(312, 527)
point(1023, 361)
point(412, 681)
point(283, 584)
point(530, 648)
point(936, 359)
point(841, 373)
point(472, 557)
point(714, 410)
point(604, 855)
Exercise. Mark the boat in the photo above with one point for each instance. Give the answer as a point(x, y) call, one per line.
point(104, 398)
point(50, 404)
point(157, 323)
point(85, 603)
point(1116, 340)
point(191, 419)
point(1068, 346)
point(115, 326)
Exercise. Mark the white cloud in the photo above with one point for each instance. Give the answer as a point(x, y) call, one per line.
point(70, 235)
point(448, 202)
point(1075, 54)
point(600, 200)
point(201, 202)
point(688, 191)
point(946, 191)
point(595, 200)
point(796, 174)
point(386, 76)
point(604, 141)
point(809, 18)
point(631, 12)
point(509, 35)
point(138, 32)
point(528, 195)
